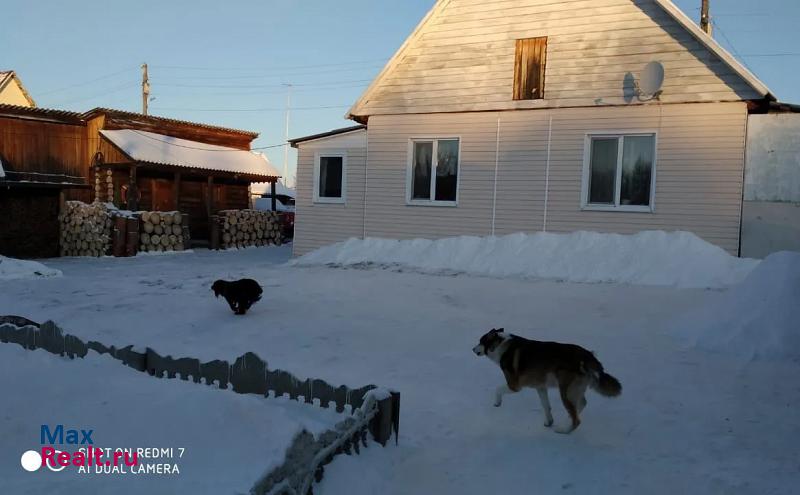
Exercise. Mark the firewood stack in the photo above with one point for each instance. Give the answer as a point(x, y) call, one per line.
point(85, 229)
point(163, 231)
point(103, 179)
point(244, 228)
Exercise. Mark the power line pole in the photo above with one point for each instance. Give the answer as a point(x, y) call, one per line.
point(145, 89)
point(286, 143)
point(705, 19)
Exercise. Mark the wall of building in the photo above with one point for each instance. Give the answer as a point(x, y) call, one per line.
point(699, 173)
point(29, 226)
point(771, 210)
point(319, 224)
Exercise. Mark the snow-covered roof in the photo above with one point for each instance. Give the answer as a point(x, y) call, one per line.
point(149, 147)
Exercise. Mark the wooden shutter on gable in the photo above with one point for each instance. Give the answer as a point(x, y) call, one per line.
point(529, 68)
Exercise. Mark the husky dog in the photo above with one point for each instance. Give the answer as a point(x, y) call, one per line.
point(539, 365)
point(240, 294)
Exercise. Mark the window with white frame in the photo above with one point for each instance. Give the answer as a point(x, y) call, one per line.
point(619, 172)
point(433, 171)
point(330, 177)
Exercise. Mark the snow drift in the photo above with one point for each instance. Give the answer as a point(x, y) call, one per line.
point(758, 319)
point(678, 259)
point(14, 269)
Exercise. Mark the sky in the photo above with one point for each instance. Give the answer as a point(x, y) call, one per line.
point(226, 63)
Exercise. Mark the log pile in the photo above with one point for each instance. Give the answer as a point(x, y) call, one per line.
point(101, 179)
point(163, 231)
point(85, 229)
point(244, 228)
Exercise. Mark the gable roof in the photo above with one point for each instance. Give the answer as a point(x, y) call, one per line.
point(9, 76)
point(356, 112)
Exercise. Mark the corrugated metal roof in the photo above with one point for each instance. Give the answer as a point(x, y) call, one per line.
point(152, 118)
point(149, 147)
point(48, 114)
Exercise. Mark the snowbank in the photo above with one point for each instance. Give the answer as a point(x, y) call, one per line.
point(14, 269)
point(758, 319)
point(678, 259)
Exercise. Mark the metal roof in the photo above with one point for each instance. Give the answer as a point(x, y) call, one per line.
point(158, 149)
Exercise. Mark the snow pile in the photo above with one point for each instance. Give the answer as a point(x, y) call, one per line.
point(678, 259)
point(758, 319)
point(14, 269)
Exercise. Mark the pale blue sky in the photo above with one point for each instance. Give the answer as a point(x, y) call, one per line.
point(211, 55)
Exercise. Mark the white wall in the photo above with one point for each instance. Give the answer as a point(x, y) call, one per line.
point(771, 211)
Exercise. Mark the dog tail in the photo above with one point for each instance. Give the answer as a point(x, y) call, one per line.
point(602, 382)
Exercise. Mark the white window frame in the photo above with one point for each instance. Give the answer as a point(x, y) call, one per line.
point(434, 163)
point(317, 160)
point(587, 163)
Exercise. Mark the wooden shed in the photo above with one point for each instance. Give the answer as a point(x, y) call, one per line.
point(42, 163)
point(164, 164)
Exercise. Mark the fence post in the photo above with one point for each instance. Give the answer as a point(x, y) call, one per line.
point(381, 424)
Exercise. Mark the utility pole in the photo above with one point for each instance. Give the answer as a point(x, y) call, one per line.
point(286, 143)
point(705, 19)
point(145, 89)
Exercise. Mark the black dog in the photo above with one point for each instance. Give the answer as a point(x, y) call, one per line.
point(240, 294)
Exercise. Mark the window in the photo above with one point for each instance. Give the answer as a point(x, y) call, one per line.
point(433, 171)
point(619, 172)
point(529, 67)
point(330, 178)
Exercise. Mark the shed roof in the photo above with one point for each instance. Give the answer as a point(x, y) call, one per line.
point(158, 149)
point(154, 119)
point(41, 114)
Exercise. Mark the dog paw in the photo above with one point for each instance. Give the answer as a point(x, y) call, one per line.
point(548, 423)
point(564, 430)
point(498, 403)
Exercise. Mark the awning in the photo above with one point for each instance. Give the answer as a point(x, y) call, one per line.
point(149, 147)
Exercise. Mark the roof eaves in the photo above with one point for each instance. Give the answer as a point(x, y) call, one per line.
point(335, 132)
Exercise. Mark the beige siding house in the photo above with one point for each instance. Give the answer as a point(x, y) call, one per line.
point(509, 116)
point(12, 92)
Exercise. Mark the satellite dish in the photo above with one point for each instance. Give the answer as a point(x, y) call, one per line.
point(652, 79)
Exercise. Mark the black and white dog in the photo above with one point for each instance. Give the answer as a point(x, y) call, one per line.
point(240, 294)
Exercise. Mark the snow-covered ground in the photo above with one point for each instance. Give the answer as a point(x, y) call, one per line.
point(14, 269)
point(689, 420)
point(217, 441)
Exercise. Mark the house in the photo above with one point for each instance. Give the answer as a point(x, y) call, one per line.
point(497, 117)
point(163, 164)
point(50, 156)
point(12, 92)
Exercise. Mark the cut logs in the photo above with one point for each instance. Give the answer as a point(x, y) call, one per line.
point(85, 229)
point(245, 228)
point(163, 231)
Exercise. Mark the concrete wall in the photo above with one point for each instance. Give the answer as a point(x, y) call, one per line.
point(771, 210)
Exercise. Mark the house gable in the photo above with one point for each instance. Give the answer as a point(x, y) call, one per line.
point(461, 58)
point(12, 92)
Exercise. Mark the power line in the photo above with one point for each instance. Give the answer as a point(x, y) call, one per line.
point(203, 149)
point(730, 44)
point(273, 109)
point(252, 86)
point(228, 69)
point(277, 74)
point(97, 95)
point(101, 78)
